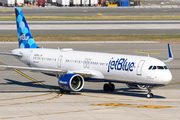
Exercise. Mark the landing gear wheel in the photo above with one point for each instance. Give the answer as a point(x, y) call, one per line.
point(112, 87)
point(149, 95)
point(106, 87)
point(61, 90)
point(109, 87)
point(68, 92)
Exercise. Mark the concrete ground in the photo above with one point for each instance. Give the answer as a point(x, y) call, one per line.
point(96, 27)
point(93, 11)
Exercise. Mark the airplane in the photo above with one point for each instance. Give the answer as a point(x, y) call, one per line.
point(73, 68)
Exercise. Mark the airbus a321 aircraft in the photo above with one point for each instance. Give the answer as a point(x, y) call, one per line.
point(73, 68)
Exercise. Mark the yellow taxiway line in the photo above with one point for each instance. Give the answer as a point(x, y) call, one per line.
point(133, 105)
point(99, 14)
point(30, 78)
point(145, 52)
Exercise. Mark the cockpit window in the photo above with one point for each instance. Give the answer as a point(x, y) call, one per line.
point(154, 67)
point(165, 67)
point(150, 67)
point(160, 67)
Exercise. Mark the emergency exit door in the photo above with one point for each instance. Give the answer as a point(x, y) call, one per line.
point(59, 61)
point(139, 67)
point(29, 57)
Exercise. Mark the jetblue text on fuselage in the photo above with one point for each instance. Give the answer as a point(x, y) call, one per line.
point(120, 64)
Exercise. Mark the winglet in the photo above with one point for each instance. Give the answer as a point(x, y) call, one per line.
point(170, 54)
point(24, 34)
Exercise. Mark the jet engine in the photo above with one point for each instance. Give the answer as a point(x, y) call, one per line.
point(71, 82)
point(135, 86)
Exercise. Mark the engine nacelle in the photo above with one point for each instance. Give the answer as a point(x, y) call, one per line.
point(135, 86)
point(71, 82)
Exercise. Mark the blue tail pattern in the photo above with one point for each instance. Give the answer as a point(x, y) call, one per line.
point(24, 34)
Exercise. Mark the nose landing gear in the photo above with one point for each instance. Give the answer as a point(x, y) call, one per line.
point(149, 94)
point(109, 87)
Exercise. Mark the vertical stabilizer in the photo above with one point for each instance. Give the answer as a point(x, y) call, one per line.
point(24, 34)
point(170, 54)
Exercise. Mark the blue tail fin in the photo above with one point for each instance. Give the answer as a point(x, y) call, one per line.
point(24, 34)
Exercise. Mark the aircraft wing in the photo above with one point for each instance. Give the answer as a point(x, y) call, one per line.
point(170, 54)
point(33, 69)
point(84, 73)
point(4, 53)
point(55, 71)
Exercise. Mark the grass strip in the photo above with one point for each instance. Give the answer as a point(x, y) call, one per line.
point(132, 17)
point(164, 38)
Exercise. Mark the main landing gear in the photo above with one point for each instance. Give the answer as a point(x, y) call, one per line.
point(63, 91)
point(109, 87)
point(149, 94)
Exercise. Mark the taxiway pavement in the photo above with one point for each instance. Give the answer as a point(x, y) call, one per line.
point(92, 11)
point(95, 27)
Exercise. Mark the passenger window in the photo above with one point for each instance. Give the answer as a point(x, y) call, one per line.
point(165, 67)
point(150, 67)
point(160, 67)
point(154, 67)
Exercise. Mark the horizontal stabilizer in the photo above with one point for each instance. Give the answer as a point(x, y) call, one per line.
point(19, 55)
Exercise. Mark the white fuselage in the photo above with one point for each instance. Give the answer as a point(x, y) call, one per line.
point(115, 67)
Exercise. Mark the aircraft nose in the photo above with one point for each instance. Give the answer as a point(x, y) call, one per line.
point(167, 77)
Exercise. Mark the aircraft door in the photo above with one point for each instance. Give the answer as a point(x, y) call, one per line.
point(139, 67)
point(29, 57)
point(59, 61)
